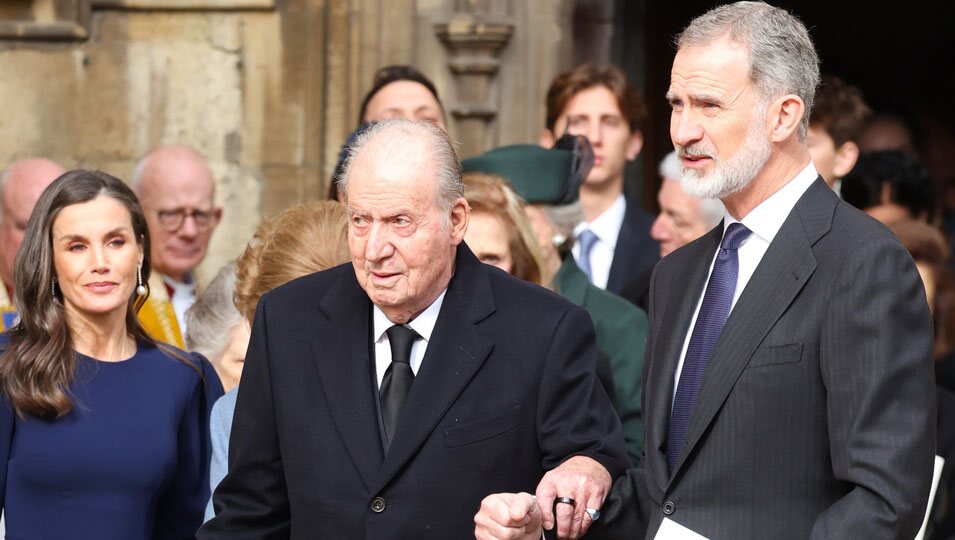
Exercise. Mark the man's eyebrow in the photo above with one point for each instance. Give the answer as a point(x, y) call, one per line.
point(696, 98)
point(706, 98)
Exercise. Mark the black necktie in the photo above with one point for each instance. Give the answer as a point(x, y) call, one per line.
point(398, 377)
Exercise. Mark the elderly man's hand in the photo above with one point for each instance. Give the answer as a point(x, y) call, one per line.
point(581, 479)
point(508, 516)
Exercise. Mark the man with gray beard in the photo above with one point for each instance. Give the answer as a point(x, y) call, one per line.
point(788, 387)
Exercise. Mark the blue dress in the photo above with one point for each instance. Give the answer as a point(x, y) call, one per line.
point(130, 461)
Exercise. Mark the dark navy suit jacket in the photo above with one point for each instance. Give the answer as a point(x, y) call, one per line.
point(636, 252)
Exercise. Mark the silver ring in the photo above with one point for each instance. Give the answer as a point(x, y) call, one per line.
point(593, 513)
point(565, 500)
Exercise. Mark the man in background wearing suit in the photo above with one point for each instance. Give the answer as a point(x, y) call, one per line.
point(613, 242)
point(789, 389)
point(385, 398)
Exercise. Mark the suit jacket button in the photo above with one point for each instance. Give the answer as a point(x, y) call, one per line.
point(378, 505)
point(669, 508)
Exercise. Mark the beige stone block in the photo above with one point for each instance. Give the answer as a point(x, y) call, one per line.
point(283, 186)
point(237, 192)
point(38, 111)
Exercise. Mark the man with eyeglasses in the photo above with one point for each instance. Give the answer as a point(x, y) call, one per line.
point(177, 191)
point(20, 187)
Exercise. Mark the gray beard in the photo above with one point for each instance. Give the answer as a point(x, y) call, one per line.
point(730, 176)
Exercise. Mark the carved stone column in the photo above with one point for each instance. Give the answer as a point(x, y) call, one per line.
point(474, 45)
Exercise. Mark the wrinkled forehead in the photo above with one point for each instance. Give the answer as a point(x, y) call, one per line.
point(389, 175)
point(718, 65)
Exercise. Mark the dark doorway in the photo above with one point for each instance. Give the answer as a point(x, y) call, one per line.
point(900, 57)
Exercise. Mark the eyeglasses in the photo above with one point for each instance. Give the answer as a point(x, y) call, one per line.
point(172, 220)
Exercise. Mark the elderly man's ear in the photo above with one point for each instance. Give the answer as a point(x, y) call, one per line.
point(460, 214)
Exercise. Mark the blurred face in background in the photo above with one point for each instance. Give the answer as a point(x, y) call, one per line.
point(595, 113)
point(405, 99)
point(487, 236)
point(680, 220)
point(177, 192)
point(230, 361)
point(25, 181)
point(831, 162)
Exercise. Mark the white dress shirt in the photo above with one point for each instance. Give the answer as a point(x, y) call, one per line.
point(183, 297)
point(607, 228)
point(423, 324)
point(764, 222)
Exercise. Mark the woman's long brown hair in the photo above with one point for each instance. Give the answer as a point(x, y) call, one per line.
point(39, 363)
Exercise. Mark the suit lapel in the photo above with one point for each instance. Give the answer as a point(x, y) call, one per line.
point(455, 353)
point(685, 286)
point(781, 274)
point(344, 363)
point(625, 251)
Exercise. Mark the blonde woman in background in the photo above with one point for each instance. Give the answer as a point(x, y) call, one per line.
point(499, 233)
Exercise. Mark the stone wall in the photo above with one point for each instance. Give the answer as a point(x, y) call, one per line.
point(266, 89)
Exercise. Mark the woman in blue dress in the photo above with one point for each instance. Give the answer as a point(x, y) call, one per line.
point(103, 431)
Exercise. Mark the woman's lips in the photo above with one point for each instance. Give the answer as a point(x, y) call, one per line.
point(101, 286)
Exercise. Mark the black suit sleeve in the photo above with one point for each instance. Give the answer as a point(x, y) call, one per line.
point(575, 416)
point(251, 502)
point(625, 512)
point(876, 363)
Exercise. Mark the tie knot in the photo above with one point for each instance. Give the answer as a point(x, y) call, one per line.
point(734, 236)
point(401, 338)
point(586, 239)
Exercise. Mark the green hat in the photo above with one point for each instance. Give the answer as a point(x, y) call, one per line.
point(538, 175)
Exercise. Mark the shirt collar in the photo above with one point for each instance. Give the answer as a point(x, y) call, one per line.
point(767, 218)
point(423, 324)
point(607, 225)
point(178, 286)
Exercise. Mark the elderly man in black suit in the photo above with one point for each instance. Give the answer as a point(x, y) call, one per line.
point(385, 398)
point(788, 377)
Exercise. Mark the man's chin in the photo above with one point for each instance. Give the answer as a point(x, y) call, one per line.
point(178, 272)
point(597, 177)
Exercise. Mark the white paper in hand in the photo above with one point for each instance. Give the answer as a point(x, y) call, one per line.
point(671, 530)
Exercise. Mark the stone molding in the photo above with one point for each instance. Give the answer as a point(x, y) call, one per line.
point(73, 16)
point(473, 46)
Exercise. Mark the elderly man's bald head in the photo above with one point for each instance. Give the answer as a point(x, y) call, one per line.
point(169, 167)
point(177, 191)
point(405, 144)
point(20, 188)
point(25, 180)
